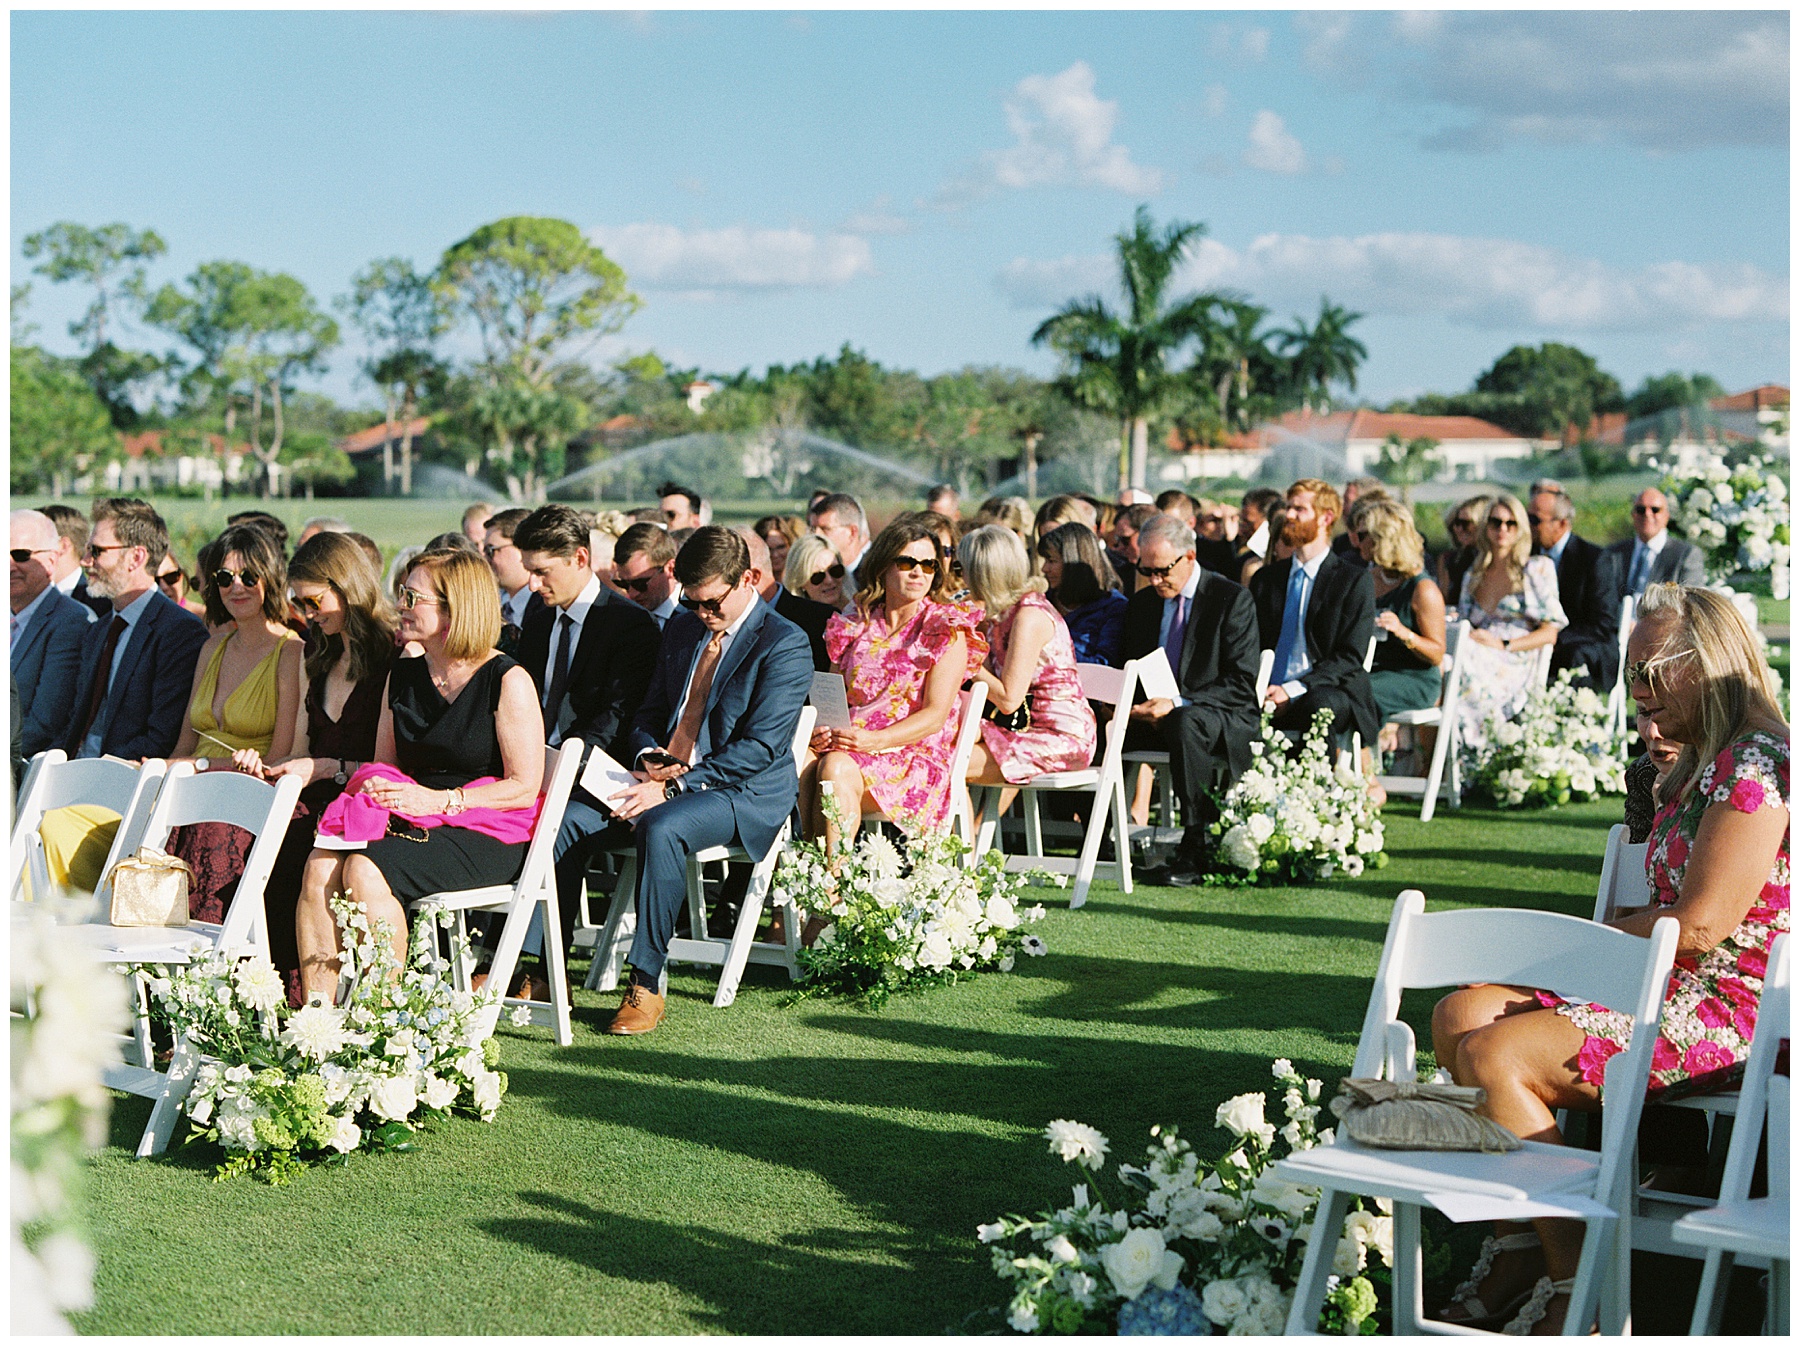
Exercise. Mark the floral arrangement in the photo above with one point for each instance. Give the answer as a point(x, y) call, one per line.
point(1557, 747)
point(903, 921)
point(1737, 516)
point(1188, 1248)
point(66, 1012)
point(1297, 818)
point(279, 1087)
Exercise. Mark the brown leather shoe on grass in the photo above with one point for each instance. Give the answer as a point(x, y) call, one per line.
point(640, 1011)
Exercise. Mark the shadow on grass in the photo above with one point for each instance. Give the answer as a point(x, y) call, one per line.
point(1306, 927)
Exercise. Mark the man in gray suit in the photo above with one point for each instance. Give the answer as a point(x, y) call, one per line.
point(47, 627)
point(1653, 557)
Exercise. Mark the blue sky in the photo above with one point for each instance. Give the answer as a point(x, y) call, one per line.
point(929, 186)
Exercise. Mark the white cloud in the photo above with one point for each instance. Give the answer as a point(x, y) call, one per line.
point(1062, 137)
point(1230, 42)
point(878, 217)
point(1273, 148)
point(661, 256)
point(1474, 282)
point(1217, 98)
point(1327, 38)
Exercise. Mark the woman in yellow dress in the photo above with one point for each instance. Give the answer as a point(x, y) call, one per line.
point(246, 698)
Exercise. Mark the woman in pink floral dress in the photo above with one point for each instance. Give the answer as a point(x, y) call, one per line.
point(1718, 865)
point(904, 651)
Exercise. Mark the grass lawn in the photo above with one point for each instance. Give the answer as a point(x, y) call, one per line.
point(813, 1168)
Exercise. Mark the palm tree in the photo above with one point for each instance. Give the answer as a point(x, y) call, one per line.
point(1325, 354)
point(1119, 362)
point(1232, 353)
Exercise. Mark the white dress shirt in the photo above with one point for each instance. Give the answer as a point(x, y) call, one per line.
point(724, 648)
point(512, 606)
point(577, 614)
point(90, 746)
point(1655, 549)
point(1301, 663)
point(665, 610)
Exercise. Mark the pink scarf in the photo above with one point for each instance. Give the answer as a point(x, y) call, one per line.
point(356, 817)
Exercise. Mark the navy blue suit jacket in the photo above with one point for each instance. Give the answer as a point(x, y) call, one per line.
point(746, 740)
point(150, 694)
point(45, 664)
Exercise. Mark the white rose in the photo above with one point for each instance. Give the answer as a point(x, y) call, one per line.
point(935, 951)
point(1349, 1258)
point(1061, 1250)
point(1023, 1317)
point(347, 1136)
point(1139, 1259)
point(1206, 1227)
point(1242, 1116)
point(1238, 849)
point(487, 1091)
point(440, 1093)
point(1001, 914)
point(1222, 1301)
point(394, 1098)
point(1262, 827)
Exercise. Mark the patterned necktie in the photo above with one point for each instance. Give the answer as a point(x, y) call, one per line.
point(1640, 571)
point(102, 676)
point(1177, 632)
point(559, 668)
point(1290, 622)
point(687, 733)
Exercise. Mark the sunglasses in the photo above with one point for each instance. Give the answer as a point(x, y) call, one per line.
point(1644, 670)
point(1536, 520)
point(1639, 510)
point(23, 554)
point(223, 579)
point(488, 549)
point(93, 552)
point(410, 598)
point(170, 578)
point(713, 607)
point(1462, 523)
point(834, 572)
point(640, 585)
point(912, 563)
point(1503, 523)
point(306, 607)
point(1157, 572)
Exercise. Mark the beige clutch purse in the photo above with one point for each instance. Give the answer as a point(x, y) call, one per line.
point(1390, 1115)
point(150, 888)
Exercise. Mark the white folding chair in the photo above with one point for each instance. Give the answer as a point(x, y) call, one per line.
point(1106, 785)
point(1618, 716)
point(1563, 954)
point(52, 781)
point(534, 889)
point(1540, 665)
point(701, 946)
point(1740, 1225)
point(1444, 757)
point(187, 797)
point(962, 817)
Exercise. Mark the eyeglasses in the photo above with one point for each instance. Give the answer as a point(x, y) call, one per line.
point(1462, 523)
point(1643, 670)
point(833, 572)
point(1536, 520)
point(640, 585)
point(224, 579)
point(714, 607)
point(1157, 572)
point(1639, 510)
point(1503, 524)
point(170, 578)
point(93, 552)
point(410, 598)
point(23, 554)
point(307, 607)
point(911, 563)
point(488, 549)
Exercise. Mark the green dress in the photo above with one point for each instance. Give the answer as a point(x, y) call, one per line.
point(1400, 679)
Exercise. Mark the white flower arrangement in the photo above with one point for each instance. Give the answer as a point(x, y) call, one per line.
point(904, 921)
point(279, 1087)
point(1297, 818)
point(1557, 747)
point(1737, 516)
point(1188, 1249)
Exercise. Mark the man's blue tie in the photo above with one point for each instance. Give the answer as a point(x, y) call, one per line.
point(1640, 571)
point(1290, 621)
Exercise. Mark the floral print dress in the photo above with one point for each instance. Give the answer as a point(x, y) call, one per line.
point(884, 676)
point(1063, 731)
point(1709, 1013)
point(1497, 682)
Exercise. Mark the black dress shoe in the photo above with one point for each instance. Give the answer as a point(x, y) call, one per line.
point(1181, 871)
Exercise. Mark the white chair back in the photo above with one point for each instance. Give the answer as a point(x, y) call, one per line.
point(1618, 716)
point(966, 734)
point(809, 715)
point(1265, 669)
point(1623, 882)
point(1773, 1026)
point(55, 782)
point(561, 767)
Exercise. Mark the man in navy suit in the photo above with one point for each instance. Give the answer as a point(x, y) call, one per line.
point(1587, 582)
point(47, 627)
point(137, 663)
point(713, 745)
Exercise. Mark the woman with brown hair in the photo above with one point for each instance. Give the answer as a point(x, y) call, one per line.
point(463, 726)
point(173, 582)
point(779, 532)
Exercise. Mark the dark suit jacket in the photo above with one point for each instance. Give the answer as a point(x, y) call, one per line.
point(1588, 584)
point(149, 695)
point(811, 618)
point(1678, 563)
point(1340, 619)
point(608, 673)
point(46, 663)
point(1219, 655)
point(1218, 556)
point(746, 741)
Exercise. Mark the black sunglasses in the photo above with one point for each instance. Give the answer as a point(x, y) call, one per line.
point(835, 572)
point(1635, 509)
point(24, 554)
point(170, 578)
point(713, 606)
point(223, 579)
point(1462, 523)
point(488, 549)
point(1157, 572)
point(640, 585)
point(909, 563)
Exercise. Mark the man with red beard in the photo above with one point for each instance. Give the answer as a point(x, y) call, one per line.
point(1317, 612)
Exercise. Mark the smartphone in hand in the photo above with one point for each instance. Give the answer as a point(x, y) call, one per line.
point(656, 757)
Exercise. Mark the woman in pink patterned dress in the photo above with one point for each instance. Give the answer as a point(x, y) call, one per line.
point(1718, 864)
point(904, 651)
point(1030, 663)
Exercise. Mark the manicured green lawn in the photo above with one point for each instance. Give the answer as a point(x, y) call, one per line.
point(812, 1168)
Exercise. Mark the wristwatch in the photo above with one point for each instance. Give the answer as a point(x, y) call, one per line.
point(1506, 643)
point(202, 763)
point(671, 788)
point(342, 775)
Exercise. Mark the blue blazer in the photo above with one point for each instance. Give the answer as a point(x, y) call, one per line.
point(747, 738)
point(150, 694)
point(45, 665)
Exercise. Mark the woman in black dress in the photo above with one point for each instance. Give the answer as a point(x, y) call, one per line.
point(456, 712)
point(350, 647)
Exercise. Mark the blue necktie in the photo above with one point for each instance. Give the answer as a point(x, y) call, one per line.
point(1290, 622)
point(1640, 571)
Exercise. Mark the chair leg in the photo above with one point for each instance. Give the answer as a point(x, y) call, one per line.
point(140, 1025)
point(1309, 1292)
point(1034, 822)
point(556, 962)
point(615, 937)
point(1597, 1251)
point(1165, 796)
point(750, 911)
point(1709, 1304)
point(1434, 776)
point(177, 1084)
point(1102, 809)
point(987, 835)
point(1409, 1271)
point(1776, 1323)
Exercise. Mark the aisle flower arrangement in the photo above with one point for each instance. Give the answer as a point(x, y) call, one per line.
point(1187, 1248)
point(903, 920)
point(1737, 516)
point(1558, 747)
point(1297, 819)
point(277, 1088)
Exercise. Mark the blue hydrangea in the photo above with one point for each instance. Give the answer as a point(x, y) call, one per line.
point(1164, 1313)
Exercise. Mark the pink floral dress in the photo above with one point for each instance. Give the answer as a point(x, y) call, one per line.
point(1062, 732)
point(884, 675)
point(1710, 1011)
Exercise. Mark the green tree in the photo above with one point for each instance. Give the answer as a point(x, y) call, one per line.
point(1672, 392)
point(1238, 376)
point(1407, 463)
point(1552, 387)
point(1120, 362)
point(1323, 354)
point(59, 426)
point(313, 458)
point(401, 314)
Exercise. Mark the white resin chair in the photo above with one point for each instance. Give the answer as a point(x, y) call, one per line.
point(1105, 785)
point(1444, 774)
point(52, 781)
point(1160, 764)
point(1618, 707)
point(532, 891)
point(1740, 1227)
point(701, 946)
point(1563, 954)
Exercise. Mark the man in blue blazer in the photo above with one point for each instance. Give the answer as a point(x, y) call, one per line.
point(47, 627)
point(714, 744)
point(137, 665)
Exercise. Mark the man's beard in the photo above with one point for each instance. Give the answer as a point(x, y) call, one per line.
point(100, 584)
point(1300, 532)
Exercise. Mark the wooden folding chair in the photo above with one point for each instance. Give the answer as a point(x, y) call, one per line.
point(1444, 774)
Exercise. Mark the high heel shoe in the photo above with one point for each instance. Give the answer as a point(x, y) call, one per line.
point(1465, 1296)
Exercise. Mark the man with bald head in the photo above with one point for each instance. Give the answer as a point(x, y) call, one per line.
point(1653, 557)
point(47, 627)
point(803, 612)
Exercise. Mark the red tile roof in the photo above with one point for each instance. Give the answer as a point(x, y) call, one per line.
point(1341, 426)
point(151, 442)
point(1768, 395)
point(364, 441)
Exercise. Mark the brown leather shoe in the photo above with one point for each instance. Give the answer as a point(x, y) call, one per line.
point(640, 1011)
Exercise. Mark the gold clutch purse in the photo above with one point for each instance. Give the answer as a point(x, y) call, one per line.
point(1390, 1115)
point(150, 888)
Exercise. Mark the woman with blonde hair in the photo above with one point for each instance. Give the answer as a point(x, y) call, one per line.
point(1409, 609)
point(1463, 526)
point(1007, 511)
point(1717, 863)
point(1061, 509)
point(1509, 598)
point(459, 756)
point(814, 570)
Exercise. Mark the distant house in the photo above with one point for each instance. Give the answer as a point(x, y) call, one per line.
point(1468, 445)
point(365, 442)
point(147, 466)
